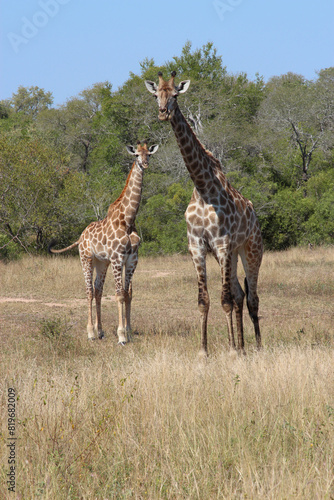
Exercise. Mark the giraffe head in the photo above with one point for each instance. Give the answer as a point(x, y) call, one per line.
point(166, 93)
point(142, 154)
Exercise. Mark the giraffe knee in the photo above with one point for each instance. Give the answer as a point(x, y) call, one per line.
point(203, 307)
point(253, 310)
point(120, 297)
point(127, 297)
point(226, 301)
point(203, 301)
point(253, 306)
point(238, 299)
point(227, 307)
point(252, 300)
point(124, 297)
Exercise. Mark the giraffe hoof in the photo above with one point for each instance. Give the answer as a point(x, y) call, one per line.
point(121, 343)
point(91, 339)
point(203, 354)
point(101, 336)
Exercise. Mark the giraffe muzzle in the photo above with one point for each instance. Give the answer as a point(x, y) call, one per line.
point(164, 114)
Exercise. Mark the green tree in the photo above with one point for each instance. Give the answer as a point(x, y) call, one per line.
point(31, 100)
point(199, 65)
point(31, 176)
point(61, 167)
point(296, 108)
point(76, 125)
point(162, 223)
point(319, 227)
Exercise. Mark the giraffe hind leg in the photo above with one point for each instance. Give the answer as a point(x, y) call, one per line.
point(87, 267)
point(130, 267)
point(117, 267)
point(101, 271)
point(238, 302)
point(238, 296)
point(251, 256)
point(253, 309)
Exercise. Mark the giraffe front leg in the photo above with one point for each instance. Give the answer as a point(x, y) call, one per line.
point(128, 301)
point(198, 255)
point(227, 306)
point(121, 332)
point(90, 327)
point(130, 268)
point(224, 257)
point(120, 298)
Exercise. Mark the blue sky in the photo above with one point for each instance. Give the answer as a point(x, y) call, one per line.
point(65, 46)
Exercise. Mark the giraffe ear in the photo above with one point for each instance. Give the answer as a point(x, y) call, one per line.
point(183, 86)
point(151, 86)
point(153, 149)
point(131, 150)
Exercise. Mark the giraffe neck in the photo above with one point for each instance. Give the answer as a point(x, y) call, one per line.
point(201, 164)
point(129, 200)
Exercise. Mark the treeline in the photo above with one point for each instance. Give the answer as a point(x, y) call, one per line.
point(60, 168)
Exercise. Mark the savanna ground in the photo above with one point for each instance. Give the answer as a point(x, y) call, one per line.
point(150, 420)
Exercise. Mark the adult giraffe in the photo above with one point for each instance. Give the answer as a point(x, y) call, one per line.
point(114, 240)
point(219, 219)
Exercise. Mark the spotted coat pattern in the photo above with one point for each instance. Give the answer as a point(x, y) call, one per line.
point(114, 240)
point(219, 220)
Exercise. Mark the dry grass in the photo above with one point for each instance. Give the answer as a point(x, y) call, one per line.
point(152, 421)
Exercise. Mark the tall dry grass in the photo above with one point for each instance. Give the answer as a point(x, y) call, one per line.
point(152, 421)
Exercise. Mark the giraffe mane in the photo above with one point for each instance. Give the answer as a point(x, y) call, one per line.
point(213, 159)
point(121, 196)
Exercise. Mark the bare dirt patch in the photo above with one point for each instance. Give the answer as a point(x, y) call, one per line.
point(65, 303)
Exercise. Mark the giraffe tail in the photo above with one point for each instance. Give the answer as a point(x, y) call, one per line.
point(53, 242)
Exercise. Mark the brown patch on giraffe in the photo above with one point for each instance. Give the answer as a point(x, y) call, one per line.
point(187, 150)
point(212, 217)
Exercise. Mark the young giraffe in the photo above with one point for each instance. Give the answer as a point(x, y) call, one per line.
point(114, 240)
point(219, 220)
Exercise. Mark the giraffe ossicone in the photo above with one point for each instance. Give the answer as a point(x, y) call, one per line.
point(114, 240)
point(219, 220)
